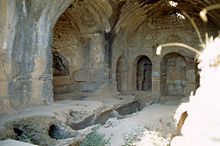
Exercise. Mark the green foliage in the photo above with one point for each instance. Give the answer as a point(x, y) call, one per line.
point(24, 137)
point(94, 139)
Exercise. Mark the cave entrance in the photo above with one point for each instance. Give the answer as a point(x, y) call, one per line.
point(173, 74)
point(144, 74)
point(121, 74)
point(60, 73)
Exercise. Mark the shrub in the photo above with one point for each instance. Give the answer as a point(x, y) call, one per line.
point(94, 139)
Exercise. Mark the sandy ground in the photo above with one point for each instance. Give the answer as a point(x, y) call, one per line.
point(150, 126)
point(92, 102)
point(49, 110)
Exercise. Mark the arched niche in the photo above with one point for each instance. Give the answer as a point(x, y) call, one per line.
point(173, 75)
point(121, 74)
point(143, 74)
point(78, 35)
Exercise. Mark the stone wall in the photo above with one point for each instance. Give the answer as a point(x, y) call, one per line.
point(26, 68)
point(26, 49)
point(144, 41)
point(90, 37)
point(4, 66)
point(81, 41)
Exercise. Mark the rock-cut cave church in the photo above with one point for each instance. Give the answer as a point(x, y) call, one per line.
point(104, 51)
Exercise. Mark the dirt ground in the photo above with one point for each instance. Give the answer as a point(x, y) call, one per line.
point(153, 125)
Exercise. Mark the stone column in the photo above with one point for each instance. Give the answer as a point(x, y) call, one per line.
point(156, 93)
point(6, 24)
point(26, 46)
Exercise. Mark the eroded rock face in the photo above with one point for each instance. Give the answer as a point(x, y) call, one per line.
point(61, 131)
point(39, 130)
point(32, 130)
point(129, 108)
point(60, 65)
point(26, 44)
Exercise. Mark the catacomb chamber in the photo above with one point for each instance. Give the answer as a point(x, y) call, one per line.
point(87, 40)
point(79, 37)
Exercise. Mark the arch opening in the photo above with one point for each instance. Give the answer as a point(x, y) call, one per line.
point(61, 63)
point(121, 71)
point(144, 74)
point(173, 75)
point(79, 36)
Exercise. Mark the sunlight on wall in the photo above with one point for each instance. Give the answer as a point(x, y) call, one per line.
point(173, 3)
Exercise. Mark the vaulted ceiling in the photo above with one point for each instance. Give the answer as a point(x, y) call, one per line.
point(117, 14)
point(134, 12)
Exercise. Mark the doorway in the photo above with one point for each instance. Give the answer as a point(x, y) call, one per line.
point(144, 74)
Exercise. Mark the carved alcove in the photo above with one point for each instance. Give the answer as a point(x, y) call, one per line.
point(173, 74)
point(121, 73)
point(144, 74)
